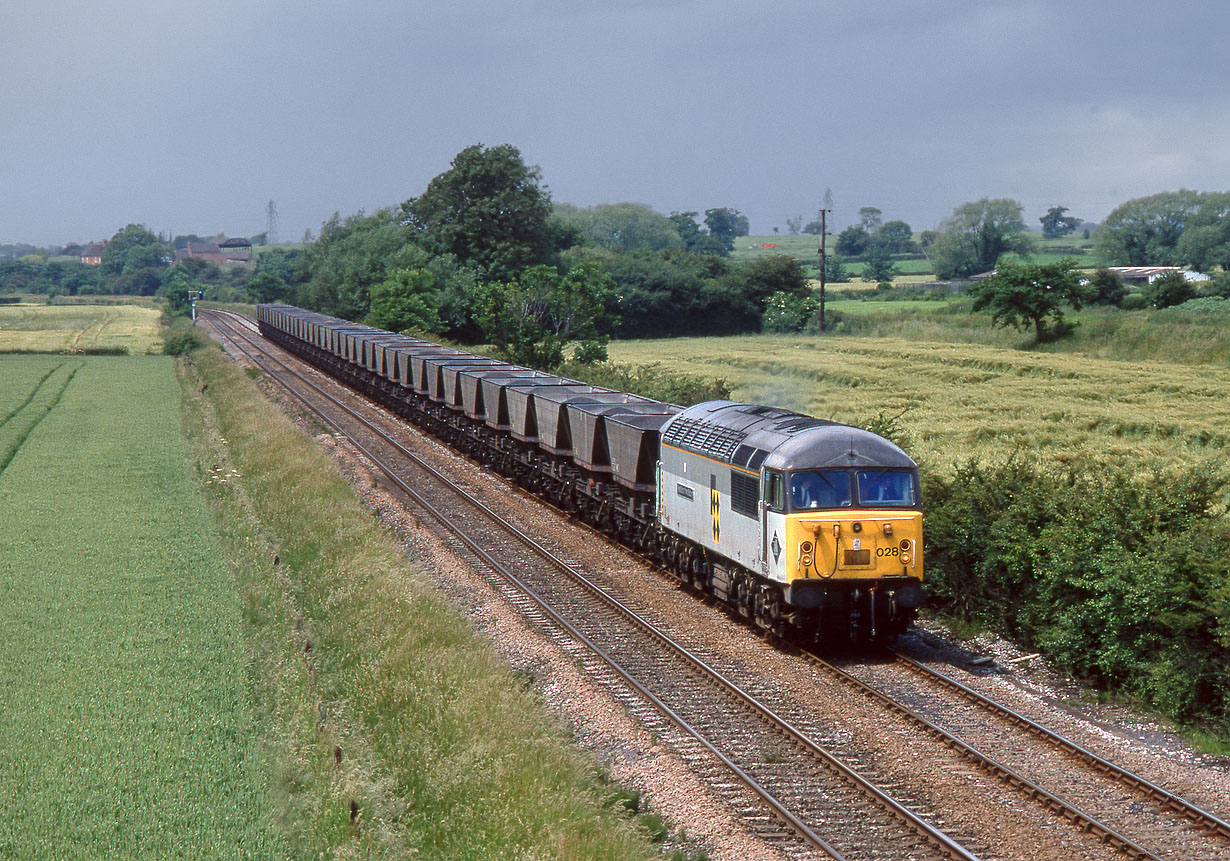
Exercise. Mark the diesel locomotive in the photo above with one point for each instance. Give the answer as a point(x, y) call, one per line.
point(809, 528)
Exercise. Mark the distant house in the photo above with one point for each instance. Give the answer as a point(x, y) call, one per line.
point(228, 251)
point(91, 255)
point(1149, 274)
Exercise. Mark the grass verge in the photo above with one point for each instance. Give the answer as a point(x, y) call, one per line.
point(392, 729)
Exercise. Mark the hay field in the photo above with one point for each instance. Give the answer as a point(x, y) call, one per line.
point(78, 328)
point(971, 399)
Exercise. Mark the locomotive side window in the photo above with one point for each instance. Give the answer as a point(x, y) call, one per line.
point(826, 488)
point(775, 491)
point(886, 487)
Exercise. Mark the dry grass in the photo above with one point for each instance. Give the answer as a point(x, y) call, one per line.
point(964, 399)
point(78, 328)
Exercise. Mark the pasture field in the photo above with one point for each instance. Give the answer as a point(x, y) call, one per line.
point(78, 328)
point(957, 400)
point(124, 697)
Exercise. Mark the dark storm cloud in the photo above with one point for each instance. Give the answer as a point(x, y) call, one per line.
point(190, 117)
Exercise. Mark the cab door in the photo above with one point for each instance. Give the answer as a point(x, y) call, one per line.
point(775, 563)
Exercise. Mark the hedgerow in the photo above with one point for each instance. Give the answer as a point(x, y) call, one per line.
point(1122, 577)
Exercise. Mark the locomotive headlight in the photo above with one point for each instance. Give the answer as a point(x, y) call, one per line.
point(836, 530)
point(905, 544)
point(888, 529)
point(905, 559)
point(805, 550)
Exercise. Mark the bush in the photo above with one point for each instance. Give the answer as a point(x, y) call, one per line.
point(1219, 286)
point(1107, 288)
point(1169, 289)
point(183, 340)
point(787, 312)
point(650, 381)
point(1134, 302)
point(1120, 577)
point(1206, 305)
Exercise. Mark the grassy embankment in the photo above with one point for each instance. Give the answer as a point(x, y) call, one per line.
point(355, 655)
point(124, 695)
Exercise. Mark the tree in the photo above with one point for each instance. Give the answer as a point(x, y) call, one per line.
point(282, 263)
point(266, 287)
point(878, 263)
point(835, 269)
point(813, 228)
point(869, 218)
point(777, 273)
point(794, 225)
point(175, 288)
point(896, 236)
point(1205, 242)
point(621, 226)
point(487, 210)
point(1055, 224)
point(1168, 290)
point(133, 248)
point(852, 241)
point(1106, 288)
point(531, 320)
point(1145, 231)
point(726, 224)
point(696, 240)
point(1022, 295)
point(786, 312)
point(405, 301)
point(973, 238)
point(349, 257)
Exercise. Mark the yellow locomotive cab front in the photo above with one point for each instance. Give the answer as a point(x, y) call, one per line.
point(860, 545)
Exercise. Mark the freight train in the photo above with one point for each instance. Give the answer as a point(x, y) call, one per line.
point(809, 528)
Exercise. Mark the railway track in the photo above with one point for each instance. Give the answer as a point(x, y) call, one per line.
point(813, 799)
point(624, 649)
point(978, 727)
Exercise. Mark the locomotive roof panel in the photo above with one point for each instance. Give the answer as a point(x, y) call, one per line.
point(748, 435)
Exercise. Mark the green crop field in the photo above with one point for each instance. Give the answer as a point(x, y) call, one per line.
point(124, 698)
point(963, 399)
point(78, 328)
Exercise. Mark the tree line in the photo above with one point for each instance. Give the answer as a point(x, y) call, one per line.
point(484, 255)
point(484, 247)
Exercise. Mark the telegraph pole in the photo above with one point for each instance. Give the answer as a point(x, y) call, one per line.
point(823, 262)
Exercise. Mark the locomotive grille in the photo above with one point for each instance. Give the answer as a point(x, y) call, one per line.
point(704, 438)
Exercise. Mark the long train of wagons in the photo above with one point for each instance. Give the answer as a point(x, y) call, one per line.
point(807, 527)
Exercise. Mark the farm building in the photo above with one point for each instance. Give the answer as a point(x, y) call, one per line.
point(1149, 274)
point(228, 251)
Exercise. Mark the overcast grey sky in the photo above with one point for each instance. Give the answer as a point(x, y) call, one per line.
point(190, 117)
